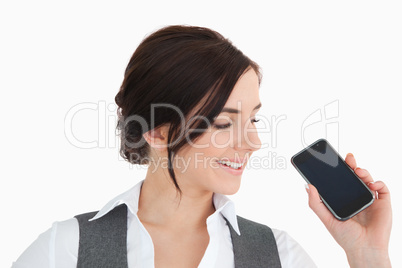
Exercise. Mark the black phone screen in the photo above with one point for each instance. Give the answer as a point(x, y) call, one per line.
point(336, 183)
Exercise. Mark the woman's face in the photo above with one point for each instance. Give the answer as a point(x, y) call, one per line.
point(232, 137)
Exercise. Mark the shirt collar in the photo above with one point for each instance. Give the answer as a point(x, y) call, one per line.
point(222, 203)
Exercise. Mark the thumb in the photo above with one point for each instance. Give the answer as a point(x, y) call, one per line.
point(319, 208)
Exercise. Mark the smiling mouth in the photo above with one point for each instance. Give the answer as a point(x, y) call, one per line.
point(233, 165)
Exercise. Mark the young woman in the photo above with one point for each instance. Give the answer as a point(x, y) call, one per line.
point(187, 109)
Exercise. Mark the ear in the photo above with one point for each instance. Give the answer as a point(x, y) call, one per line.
point(157, 137)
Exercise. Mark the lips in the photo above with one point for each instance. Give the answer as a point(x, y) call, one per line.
point(233, 165)
point(234, 160)
point(230, 170)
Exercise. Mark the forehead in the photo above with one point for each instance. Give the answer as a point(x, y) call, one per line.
point(245, 92)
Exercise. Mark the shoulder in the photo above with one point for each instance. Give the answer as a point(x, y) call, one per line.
point(250, 228)
point(60, 240)
point(291, 253)
point(85, 217)
point(242, 220)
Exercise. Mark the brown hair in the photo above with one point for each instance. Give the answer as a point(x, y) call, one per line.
point(180, 66)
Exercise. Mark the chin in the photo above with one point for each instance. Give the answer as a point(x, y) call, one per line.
point(229, 188)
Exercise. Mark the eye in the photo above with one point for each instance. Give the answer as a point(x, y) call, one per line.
point(223, 126)
point(230, 124)
point(255, 120)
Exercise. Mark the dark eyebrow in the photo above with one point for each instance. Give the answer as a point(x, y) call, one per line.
point(235, 111)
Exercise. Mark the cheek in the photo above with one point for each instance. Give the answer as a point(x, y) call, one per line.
point(206, 151)
point(221, 139)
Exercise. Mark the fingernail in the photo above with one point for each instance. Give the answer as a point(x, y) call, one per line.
point(307, 188)
point(350, 154)
point(371, 182)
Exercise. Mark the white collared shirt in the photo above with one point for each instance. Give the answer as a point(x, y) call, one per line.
point(58, 246)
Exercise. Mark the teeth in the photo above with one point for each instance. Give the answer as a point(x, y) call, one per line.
point(231, 164)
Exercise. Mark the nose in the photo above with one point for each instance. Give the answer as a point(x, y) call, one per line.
point(247, 138)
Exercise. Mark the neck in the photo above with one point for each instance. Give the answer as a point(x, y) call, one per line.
point(160, 204)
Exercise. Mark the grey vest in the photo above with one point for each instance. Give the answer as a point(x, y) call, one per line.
point(103, 242)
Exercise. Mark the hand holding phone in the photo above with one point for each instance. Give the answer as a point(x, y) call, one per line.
point(367, 233)
point(340, 189)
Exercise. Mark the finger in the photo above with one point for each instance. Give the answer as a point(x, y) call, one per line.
point(351, 161)
point(364, 175)
point(381, 189)
point(318, 206)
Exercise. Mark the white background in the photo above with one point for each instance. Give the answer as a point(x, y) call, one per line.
point(55, 55)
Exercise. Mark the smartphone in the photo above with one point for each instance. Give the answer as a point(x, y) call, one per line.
point(340, 189)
